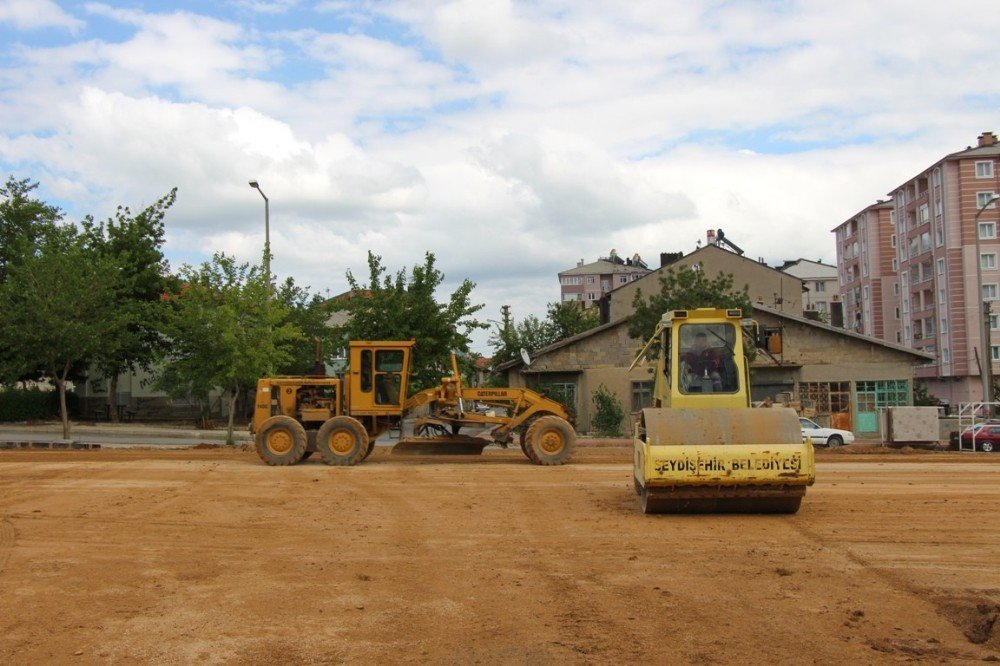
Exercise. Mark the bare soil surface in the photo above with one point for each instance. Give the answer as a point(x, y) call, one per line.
point(209, 556)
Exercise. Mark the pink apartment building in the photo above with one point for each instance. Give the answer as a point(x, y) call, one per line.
point(589, 282)
point(909, 268)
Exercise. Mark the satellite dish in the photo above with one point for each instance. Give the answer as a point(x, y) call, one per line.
point(525, 357)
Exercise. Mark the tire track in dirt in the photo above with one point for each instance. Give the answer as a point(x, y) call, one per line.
point(7, 539)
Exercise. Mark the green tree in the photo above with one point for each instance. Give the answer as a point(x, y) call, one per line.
point(404, 307)
point(571, 318)
point(685, 288)
point(58, 307)
point(226, 330)
point(608, 413)
point(132, 245)
point(309, 313)
point(23, 220)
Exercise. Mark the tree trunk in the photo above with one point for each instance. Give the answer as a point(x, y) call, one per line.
point(233, 393)
point(113, 398)
point(63, 412)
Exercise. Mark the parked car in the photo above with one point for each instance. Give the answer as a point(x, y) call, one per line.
point(825, 436)
point(987, 436)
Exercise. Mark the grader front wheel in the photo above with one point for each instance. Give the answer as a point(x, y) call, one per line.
point(281, 441)
point(549, 441)
point(342, 440)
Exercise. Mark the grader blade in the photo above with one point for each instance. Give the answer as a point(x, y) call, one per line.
point(454, 445)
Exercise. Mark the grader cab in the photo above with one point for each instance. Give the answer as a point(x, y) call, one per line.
point(701, 448)
point(341, 418)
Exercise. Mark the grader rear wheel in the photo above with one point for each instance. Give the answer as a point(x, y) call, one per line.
point(549, 441)
point(342, 440)
point(281, 441)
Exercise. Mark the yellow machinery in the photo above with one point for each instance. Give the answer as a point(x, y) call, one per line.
point(702, 448)
point(341, 418)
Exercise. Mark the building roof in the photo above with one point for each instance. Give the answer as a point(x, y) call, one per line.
point(604, 267)
point(922, 356)
point(807, 269)
point(971, 152)
point(875, 206)
point(704, 248)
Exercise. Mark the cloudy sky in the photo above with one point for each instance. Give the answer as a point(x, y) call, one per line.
point(509, 138)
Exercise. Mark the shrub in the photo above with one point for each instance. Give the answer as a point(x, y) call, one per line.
point(27, 405)
point(608, 413)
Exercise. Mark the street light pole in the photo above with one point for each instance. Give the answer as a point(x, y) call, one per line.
point(986, 364)
point(267, 230)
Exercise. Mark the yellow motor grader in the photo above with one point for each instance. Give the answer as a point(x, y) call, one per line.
point(701, 448)
point(341, 418)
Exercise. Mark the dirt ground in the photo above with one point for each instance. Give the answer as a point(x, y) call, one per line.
point(208, 556)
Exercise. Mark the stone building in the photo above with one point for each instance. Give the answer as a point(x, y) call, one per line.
point(767, 286)
point(845, 376)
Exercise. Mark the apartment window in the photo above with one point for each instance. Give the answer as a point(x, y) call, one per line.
point(820, 287)
point(635, 277)
point(983, 197)
point(902, 278)
point(987, 229)
point(605, 285)
point(936, 177)
point(984, 169)
point(897, 313)
point(899, 337)
point(623, 279)
point(892, 240)
point(571, 297)
point(821, 306)
point(906, 332)
point(591, 296)
point(945, 355)
point(938, 207)
point(865, 294)
point(895, 265)
point(989, 292)
point(928, 327)
point(914, 246)
point(941, 297)
point(864, 270)
point(988, 261)
point(994, 322)
point(944, 325)
point(940, 266)
point(995, 352)
point(895, 289)
point(925, 241)
point(923, 214)
point(906, 307)
point(590, 279)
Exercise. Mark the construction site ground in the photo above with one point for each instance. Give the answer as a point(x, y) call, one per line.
point(208, 556)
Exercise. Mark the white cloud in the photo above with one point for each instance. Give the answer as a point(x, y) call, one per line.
point(510, 138)
point(35, 14)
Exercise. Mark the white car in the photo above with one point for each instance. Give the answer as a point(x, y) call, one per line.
point(827, 436)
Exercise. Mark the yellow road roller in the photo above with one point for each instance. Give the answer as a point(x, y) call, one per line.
point(702, 448)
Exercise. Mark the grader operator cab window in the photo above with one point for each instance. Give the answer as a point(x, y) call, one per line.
point(366, 370)
point(706, 360)
point(388, 376)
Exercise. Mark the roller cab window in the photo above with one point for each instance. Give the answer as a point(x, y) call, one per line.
point(706, 362)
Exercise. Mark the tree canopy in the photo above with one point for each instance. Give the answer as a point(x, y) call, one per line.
point(132, 245)
point(682, 289)
point(404, 306)
point(58, 308)
point(23, 220)
point(563, 320)
point(226, 330)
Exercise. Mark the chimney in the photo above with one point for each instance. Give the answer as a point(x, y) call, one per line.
point(669, 257)
point(710, 237)
point(987, 139)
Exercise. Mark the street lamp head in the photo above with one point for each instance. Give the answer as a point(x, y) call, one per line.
point(254, 184)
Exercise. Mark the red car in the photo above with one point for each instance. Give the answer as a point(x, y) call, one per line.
point(987, 437)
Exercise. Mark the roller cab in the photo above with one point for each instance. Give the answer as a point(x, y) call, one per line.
point(702, 448)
